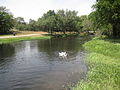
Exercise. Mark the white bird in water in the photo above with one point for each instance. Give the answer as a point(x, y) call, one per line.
point(62, 54)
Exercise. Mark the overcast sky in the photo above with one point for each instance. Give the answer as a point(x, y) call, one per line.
point(36, 8)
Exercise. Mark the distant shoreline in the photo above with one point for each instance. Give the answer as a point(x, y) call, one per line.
point(9, 39)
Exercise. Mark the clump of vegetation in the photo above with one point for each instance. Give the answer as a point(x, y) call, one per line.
point(104, 66)
point(6, 20)
point(9, 40)
point(106, 17)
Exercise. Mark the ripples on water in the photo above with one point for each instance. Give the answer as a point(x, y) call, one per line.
point(36, 65)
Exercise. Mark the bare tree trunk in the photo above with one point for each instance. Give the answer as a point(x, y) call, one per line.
point(64, 32)
point(114, 31)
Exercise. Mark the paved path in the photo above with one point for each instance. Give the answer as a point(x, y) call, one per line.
point(27, 35)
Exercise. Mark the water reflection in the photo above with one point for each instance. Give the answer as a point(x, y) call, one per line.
point(61, 44)
point(53, 46)
point(6, 50)
point(35, 65)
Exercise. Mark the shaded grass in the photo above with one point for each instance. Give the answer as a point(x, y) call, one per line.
point(104, 66)
point(9, 40)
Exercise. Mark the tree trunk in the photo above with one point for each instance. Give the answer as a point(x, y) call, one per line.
point(51, 32)
point(114, 31)
point(64, 32)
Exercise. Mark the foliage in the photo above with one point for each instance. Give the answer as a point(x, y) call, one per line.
point(107, 14)
point(104, 63)
point(32, 25)
point(6, 20)
point(61, 21)
point(20, 24)
point(87, 23)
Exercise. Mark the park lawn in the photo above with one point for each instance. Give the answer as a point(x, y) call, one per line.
point(103, 66)
point(9, 40)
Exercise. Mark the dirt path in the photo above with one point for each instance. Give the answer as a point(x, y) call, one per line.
point(27, 35)
point(24, 34)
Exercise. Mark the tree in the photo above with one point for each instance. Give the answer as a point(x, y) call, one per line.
point(32, 25)
point(61, 21)
point(67, 20)
point(20, 20)
point(87, 23)
point(71, 18)
point(48, 22)
point(107, 12)
point(82, 23)
point(6, 20)
point(20, 24)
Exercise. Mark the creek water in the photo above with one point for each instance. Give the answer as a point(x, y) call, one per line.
point(36, 65)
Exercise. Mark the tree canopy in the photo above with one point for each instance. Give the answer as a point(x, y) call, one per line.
point(105, 18)
point(60, 21)
point(107, 12)
point(6, 20)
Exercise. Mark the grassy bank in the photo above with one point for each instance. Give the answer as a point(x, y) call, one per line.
point(9, 40)
point(104, 66)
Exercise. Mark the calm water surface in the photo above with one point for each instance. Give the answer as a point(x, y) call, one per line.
point(36, 65)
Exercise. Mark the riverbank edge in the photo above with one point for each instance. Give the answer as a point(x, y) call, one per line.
point(10, 40)
point(103, 59)
point(33, 37)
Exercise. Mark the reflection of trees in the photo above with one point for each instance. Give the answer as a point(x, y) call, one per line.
point(60, 44)
point(6, 50)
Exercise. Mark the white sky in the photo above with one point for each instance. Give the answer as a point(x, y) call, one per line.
point(36, 8)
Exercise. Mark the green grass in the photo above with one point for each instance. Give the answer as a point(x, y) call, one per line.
point(104, 66)
point(9, 40)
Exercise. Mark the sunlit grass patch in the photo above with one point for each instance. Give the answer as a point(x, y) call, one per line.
point(104, 66)
point(9, 40)
point(103, 47)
